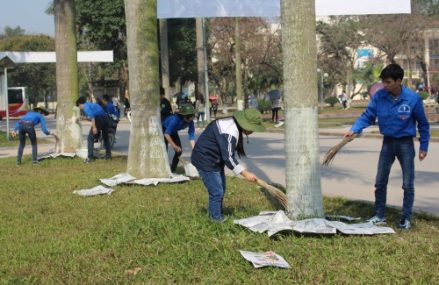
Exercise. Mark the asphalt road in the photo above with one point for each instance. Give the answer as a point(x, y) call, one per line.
point(351, 175)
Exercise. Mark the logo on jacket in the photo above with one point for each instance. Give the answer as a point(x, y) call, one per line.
point(404, 112)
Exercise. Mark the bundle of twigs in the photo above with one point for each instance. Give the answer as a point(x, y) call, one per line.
point(330, 154)
point(276, 194)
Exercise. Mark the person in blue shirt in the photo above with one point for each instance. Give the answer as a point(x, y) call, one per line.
point(27, 126)
point(110, 108)
point(217, 147)
point(100, 122)
point(177, 122)
point(398, 110)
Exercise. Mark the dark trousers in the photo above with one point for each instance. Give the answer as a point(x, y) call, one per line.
point(177, 155)
point(102, 125)
point(29, 129)
point(403, 150)
point(275, 114)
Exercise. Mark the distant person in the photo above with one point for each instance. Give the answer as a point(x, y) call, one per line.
point(398, 110)
point(214, 108)
point(200, 108)
point(177, 122)
point(126, 106)
point(217, 147)
point(165, 105)
point(27, 126)
point(275, 105)
point(344, 100)
point(100, 122)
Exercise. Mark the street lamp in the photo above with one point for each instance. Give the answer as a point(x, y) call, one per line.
point(322, 76)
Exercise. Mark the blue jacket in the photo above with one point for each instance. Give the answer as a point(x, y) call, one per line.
point(112, 110)
point(174, 123)
point(216, 147)
point(93, 110)
point(396, 118)
point(36, 119)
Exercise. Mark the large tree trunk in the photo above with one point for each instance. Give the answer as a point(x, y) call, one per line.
point(200, 55)
point(147, 157)
point(301, 124)
point(238, 71)
point(164, 57)
point(68, 128)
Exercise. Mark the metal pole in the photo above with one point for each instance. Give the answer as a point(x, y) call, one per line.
point(6, 102)
point(206, 75)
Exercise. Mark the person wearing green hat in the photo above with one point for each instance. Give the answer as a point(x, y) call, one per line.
point(217, 147)
point(177, 122)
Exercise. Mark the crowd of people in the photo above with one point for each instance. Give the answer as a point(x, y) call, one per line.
point(399, 111)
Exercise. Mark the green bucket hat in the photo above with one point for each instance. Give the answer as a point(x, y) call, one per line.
point(250, 120)
point(187, 109)
point(41, 110)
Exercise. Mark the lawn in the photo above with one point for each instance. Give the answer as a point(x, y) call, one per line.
point(50, 236)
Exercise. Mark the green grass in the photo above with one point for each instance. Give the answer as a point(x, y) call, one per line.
point(50, 236)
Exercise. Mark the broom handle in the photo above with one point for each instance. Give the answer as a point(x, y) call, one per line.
point(262, 183)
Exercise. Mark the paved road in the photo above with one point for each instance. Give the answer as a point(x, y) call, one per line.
point(351, 175)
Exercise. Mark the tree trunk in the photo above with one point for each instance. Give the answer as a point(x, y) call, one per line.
point(238, 73)
point(147, 156)
point(301, 106)
point(68, 128)
point(164, 57)
point(200, 55)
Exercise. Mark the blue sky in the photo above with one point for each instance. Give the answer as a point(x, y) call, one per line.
point(28, 14)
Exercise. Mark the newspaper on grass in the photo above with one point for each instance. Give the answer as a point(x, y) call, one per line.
point(262, 259)
point(98, 190)
point(276, 222)
point(125, 178)
point(56, 154)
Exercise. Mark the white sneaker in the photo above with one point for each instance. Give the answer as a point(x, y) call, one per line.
point(377, 220)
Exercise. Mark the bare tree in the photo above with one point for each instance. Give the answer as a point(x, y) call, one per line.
point(301, 124)
point(147, 155)
point(67, 126)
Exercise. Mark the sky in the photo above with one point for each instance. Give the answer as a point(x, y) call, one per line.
point(28, 14)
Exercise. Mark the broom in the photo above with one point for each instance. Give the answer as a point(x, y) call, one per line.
point(330, 154)
point(275, 195)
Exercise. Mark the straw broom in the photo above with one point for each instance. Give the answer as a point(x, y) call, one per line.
point(330, 154)
point(274, 194)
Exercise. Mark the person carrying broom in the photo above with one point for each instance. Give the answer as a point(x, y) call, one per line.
point(216, 147)
point(398, 110)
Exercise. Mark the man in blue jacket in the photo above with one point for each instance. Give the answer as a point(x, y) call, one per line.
point(99, 122)
point(27, 126)
point(177, 122)
point(398, 110)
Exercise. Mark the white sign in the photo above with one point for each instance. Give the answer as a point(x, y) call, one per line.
point(271, 8)
point(50, 56)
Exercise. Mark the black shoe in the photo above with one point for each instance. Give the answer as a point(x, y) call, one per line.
point(35, 162)
point(107, 157)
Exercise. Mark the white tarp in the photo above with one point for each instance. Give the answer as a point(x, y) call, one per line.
point(271, 8)
point(50, 56)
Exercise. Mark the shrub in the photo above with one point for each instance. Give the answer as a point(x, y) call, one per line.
point(332, 100)
point(424, 95)
point(264, 105)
